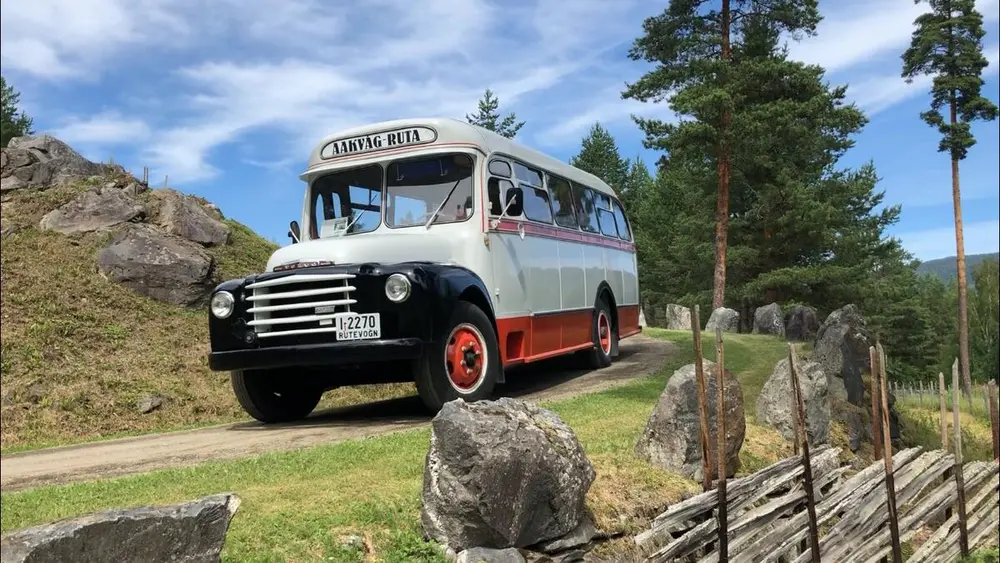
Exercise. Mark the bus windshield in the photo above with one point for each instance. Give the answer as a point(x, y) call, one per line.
point(418, 188)
point(350, 201)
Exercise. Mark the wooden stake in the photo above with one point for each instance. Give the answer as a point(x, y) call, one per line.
point(963, 530)
point(942, 390)
point(890, 486)
point(699, 371)
point(720, 438)
point(994, 410)
point(795, 405)
point(803, 434)
point(876, 424)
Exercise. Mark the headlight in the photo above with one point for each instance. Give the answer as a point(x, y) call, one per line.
point(397, 288)
point(222, 304)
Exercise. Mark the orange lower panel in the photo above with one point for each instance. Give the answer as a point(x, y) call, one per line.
point(628, 321)
point(528, 339)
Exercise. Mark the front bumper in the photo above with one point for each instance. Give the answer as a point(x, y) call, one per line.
point(309, 355)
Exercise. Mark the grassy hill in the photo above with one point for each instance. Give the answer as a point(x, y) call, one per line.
point(945, 269)
point(79, 350)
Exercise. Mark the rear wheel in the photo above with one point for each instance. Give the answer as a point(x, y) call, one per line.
point(271, 396)
point(605, 337)
point(463, 364)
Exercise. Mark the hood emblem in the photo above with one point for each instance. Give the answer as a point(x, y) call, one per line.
point(302, 264)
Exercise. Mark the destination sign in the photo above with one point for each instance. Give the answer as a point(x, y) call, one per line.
point(378, 141)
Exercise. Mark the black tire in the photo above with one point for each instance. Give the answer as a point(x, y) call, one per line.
point(602, 354)
point(438, 378)
point(270, 396)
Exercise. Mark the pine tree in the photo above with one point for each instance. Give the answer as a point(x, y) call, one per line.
point(984, 321)
point(599, 155)
point(13, 122)
point(947, 44)
point(488, 116)
point(693, 46)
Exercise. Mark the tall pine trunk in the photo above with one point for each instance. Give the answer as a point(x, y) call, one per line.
point(963, 303)
point(722, 203)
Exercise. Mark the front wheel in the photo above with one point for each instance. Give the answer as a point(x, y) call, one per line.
point(270, 396)
point(463, 364)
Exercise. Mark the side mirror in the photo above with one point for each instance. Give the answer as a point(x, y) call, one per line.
point(514, 202)
point(294, 232)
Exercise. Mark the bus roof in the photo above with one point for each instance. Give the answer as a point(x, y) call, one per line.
point(375, 137)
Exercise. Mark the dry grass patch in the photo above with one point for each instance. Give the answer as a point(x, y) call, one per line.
point(78, 350)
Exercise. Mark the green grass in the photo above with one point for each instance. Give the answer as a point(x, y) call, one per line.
point(297, 506)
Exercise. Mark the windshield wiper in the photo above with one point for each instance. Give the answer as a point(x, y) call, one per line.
point(427, 225)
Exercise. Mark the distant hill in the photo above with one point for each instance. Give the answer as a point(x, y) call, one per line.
point(944, 268)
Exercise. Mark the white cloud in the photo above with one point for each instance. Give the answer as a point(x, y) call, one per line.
point(979, 237)
point(104, 128)
point(70, 38)
point(863, 30)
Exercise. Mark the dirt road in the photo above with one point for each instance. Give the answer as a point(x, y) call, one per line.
point(640, 356)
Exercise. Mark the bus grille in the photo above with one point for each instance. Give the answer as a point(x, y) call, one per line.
point(299, 304)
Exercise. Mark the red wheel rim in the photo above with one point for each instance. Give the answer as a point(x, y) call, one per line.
point(604, 332)
point(465, 358)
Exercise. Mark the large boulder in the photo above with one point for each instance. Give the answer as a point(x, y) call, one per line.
point(185, 217)
point(769, 320)
point(672, 439)
point(93, 211)
point(726, 319)
point(841, 349)
point(775, 405)
point(194, 532)
point(677, 317)
point(802, 324)
point(43, 161)
point(501, 474)
point(161, 266)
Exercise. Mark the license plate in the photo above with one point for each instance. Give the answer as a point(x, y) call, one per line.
point(363, 326)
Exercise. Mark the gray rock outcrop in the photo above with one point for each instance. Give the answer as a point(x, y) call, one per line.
point(802, 324)
point(502, 474)
point(192, 532)
point(43, 161)
point(726, 319)
point(672, 438)
point(185, 217)
point(677, 317)
point(775, 405)
point(161, 266)
point(93, 211)
point(769, 320)
point(487, 555)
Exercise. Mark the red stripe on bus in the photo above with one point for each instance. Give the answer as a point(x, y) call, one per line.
point(560, 233)
point(532, 338)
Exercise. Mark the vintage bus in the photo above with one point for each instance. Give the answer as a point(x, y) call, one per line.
point(433, 251)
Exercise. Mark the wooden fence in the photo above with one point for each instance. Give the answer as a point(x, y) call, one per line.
point(808, 508)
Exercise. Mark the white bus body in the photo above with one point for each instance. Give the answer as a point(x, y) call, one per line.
point(505, 256)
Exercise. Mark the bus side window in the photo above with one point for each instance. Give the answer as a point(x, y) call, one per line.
point(562, 202)
point(586, 208)
point(496, 188)
point(623, 230)
point(536, 204)
point(605, 216)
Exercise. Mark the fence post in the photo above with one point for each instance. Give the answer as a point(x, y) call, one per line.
point(963, 531)
point(699, 371)
point(944, 412)
point(994, 411)
point(803, 434)
point(720, 438)
point(876, 426)
point(890, 486)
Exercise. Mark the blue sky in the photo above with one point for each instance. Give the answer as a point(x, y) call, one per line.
point(227, 97)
